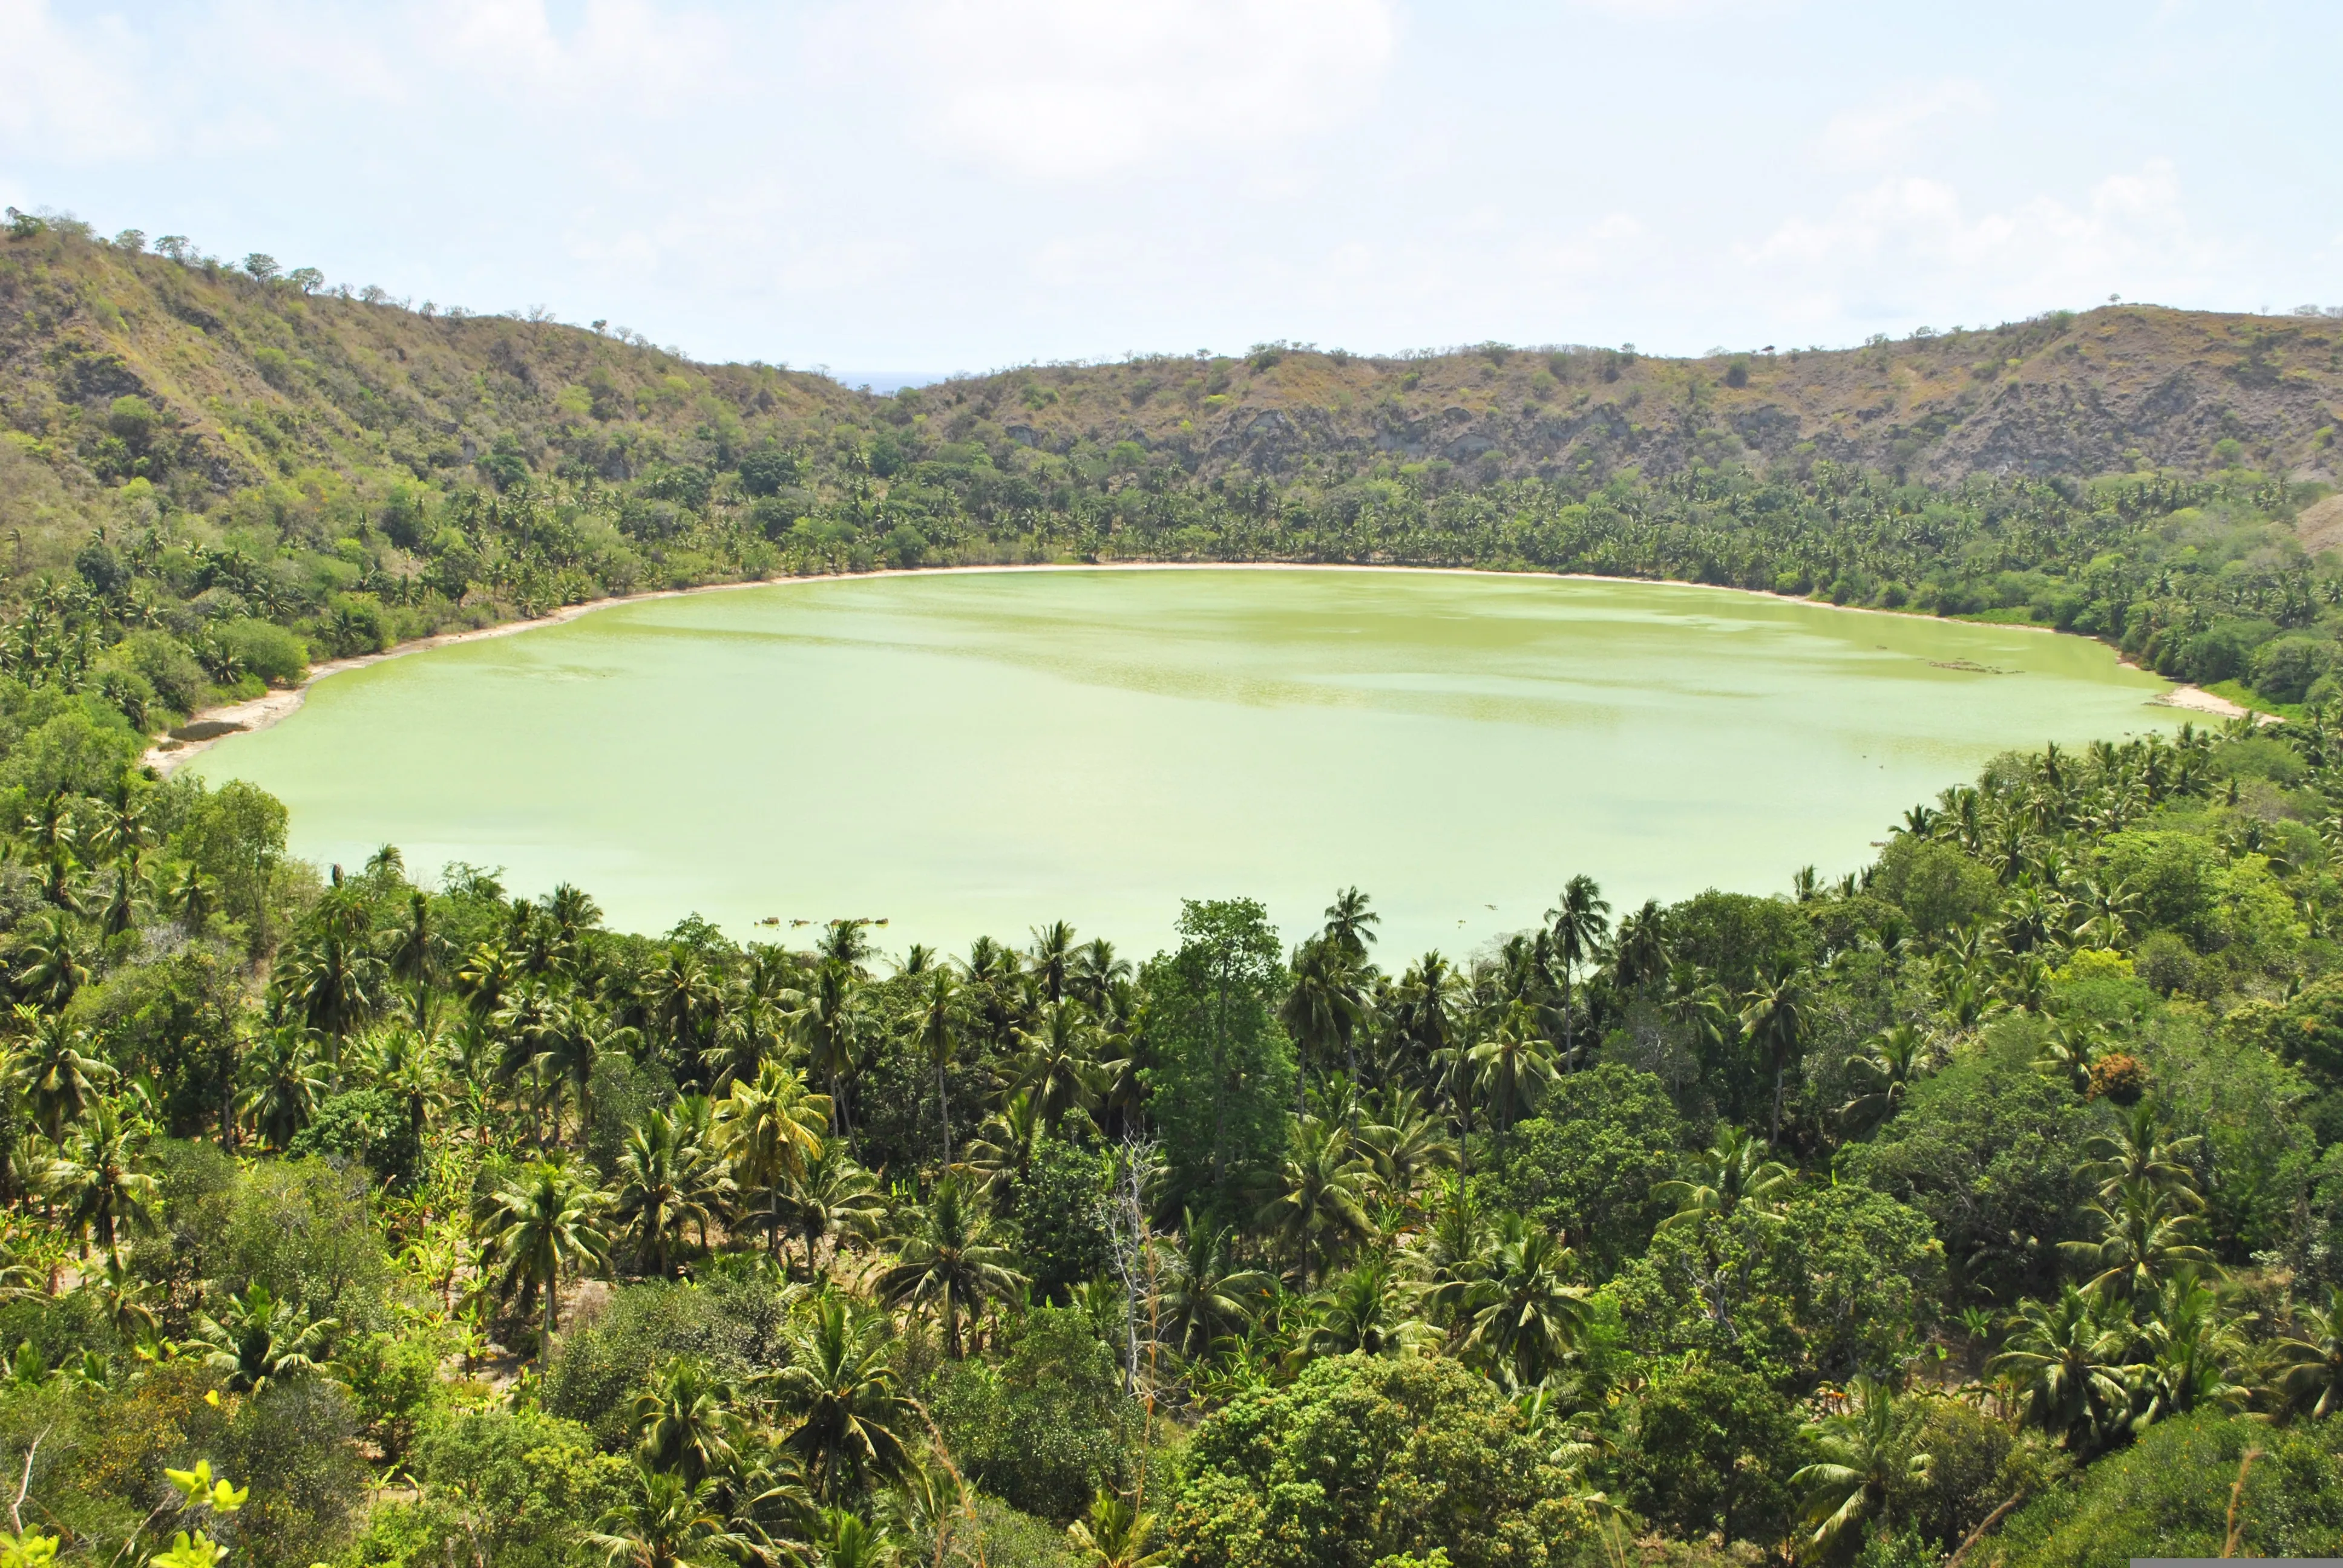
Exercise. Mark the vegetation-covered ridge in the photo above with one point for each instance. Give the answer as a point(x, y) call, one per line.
point(1996, 1188)
point(210, 474)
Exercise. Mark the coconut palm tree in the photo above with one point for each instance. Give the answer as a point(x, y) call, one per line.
point(2066, 1358)
point(668, 1177)
point(1883, 1073)
point(771, 1129)
point(2137, 1150)
point(1512, 1068)
point(2147, 1235)
point(419, 955)
point(1408, 1142)
point(412, 1068)
point(285, 1079)
point(55, 1070)
point(1350, 923)
point(946, 1252)
point(1324, 1188)
point(1059, 1066)
point(685, 1423)
point(1578, 923)
point(1774, 1016)
point(1095, 975)
point(97, 1180)
point(1206, 1292)
point(1051, 958)
point(842, 1390)
point(258, 1341)
point(1323, 1009)
point(1363, 1311)
point(1519, 1313)
point(1863, 1463)
point(53, 960)
point(835, 1199)
point(1003, 1149)
point(544, 1223)
point(935, 1030)
point(1731, 1172)
point(2313, 1359)
point(668, 1523)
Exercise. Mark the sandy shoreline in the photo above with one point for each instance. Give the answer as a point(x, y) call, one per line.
point(273, 707)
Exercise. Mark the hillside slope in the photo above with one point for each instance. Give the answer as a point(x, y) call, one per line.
point(195, 462)
point(251, 381)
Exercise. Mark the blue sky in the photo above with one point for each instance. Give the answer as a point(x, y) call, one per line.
point(937, 185)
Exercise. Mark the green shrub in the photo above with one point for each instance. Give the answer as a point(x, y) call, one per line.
point(265, 648)
point(2168, 1494)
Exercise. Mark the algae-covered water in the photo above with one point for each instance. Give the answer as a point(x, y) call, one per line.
point(983, 753)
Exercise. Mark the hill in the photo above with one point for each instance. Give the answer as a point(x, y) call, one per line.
point(196, 449)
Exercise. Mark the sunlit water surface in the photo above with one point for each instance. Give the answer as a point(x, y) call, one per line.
point(983, 752)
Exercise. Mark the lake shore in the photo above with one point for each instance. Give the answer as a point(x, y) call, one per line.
point(274, 707)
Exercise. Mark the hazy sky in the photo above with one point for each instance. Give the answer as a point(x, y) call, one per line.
point(933, 184)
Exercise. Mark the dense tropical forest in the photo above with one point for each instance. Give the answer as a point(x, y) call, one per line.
point(210, 474)
point(1984, 1202)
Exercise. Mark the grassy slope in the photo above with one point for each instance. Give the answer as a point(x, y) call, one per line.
point(260, 384)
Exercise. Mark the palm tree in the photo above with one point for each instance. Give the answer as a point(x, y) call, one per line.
point(1733, 1172)
point(1407, 1141)
point(668, 1178)
point(1512, 1068)
point(53, 963)
point(1117, 1534)
point(1518, 1313)
point(1052, 955)
point(1774, 1016)
point(844, 1539)
point(58, 1079)
point(1323, 1008)
point(2191, 1348)
point(2313, 1377)
point(1324, 1188)
point(935, 1029)
point(2137, 1150)
point(97, 1180)
point(1579, 923)
point(1059, 1067)
point(1883, 1073)
point(412, 1068)
point(2067, 1361)
point(849, 1411)
point(836, 1198)
point(948, 1254)
point(1640, 959)
point(1095, 974)
point(668, 1523)
point(1348, 921)
point(1363, 1312)
point(539, 1225)
point(685, 1425)
point(2070, 1048)
point(1004, 1151)
point(286, 1079)
point(418, 954)
point(1206, 1292)
point(259, 1341)
point(1862, 1467)
point(2146, 1236)
point(771, 1129)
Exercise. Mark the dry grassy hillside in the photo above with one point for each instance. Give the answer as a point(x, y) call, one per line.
point(2110, 391)
point(117, 365)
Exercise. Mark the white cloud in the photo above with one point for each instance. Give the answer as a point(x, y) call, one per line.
point(1889, 131)
point(67, 90)
point(1911, 239)
point(1071, 89)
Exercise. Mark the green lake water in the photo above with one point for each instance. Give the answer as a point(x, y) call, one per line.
point(983, 753)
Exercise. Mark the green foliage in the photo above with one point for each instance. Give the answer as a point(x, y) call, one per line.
point(1712, 1450)
point(367, 1127)
point(521, 1488)
point(2168, 1496)
point(1363, 1459)
point(1587, 1163)
point(733, 1327)
point(1219, 1069)
point(1049, 1425)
